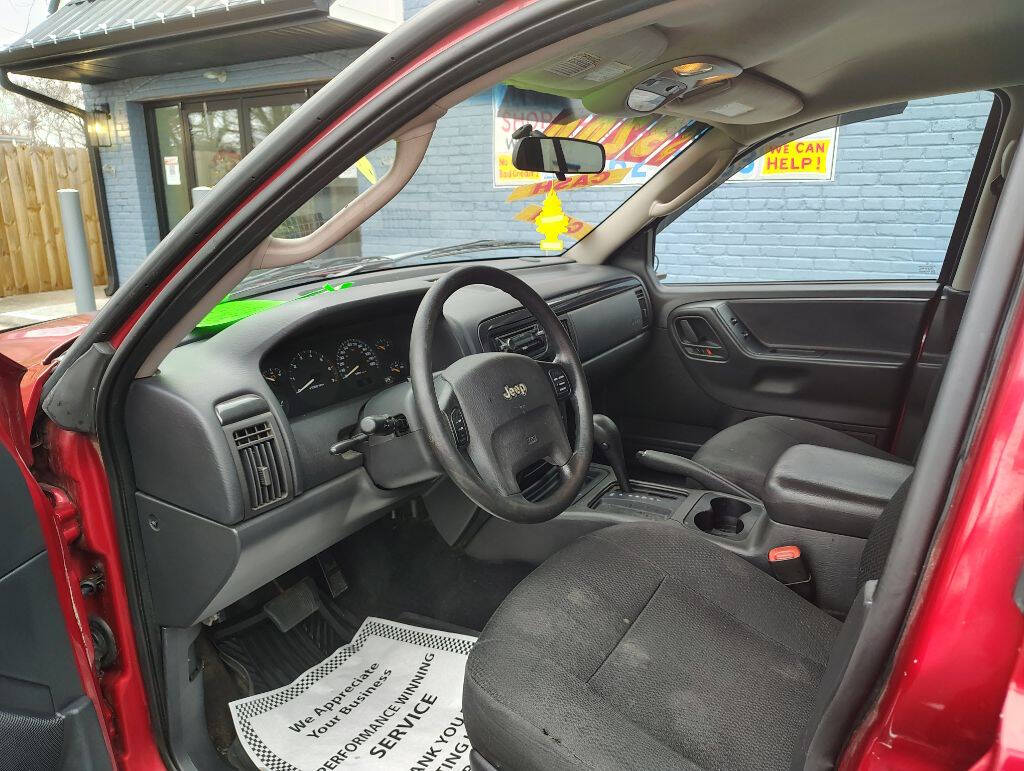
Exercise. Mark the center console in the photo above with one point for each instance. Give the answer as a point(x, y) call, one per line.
point(825, 502)
point(737, 523)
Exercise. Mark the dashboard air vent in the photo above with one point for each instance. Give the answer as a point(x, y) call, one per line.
point(262, 470)
point(645, 308)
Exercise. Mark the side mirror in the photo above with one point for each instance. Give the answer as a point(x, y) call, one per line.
point(557, 155)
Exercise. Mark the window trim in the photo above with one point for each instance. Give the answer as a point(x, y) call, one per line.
point(242, 99)
point(984, 157)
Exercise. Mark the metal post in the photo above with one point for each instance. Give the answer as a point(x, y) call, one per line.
point(78, 249)
point(198, 194)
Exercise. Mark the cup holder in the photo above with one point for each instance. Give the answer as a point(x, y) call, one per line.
point(724, 516)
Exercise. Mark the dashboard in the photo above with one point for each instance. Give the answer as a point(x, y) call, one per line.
point(338, 363)
point(231, 438)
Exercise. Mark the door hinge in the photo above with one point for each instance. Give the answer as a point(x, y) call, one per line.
point(65, 513)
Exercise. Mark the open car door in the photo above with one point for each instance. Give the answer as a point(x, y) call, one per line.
point(47, 718)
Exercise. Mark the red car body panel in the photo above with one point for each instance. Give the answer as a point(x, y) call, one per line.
point(79, 473)
point(56, 528)
point(950, 677)
point(27, 357)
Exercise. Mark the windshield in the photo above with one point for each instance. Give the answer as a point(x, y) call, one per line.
point(467, 202)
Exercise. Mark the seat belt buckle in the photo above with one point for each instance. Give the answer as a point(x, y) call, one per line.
point(788, 566)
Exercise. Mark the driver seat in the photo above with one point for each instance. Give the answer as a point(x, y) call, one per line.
point(644, 646)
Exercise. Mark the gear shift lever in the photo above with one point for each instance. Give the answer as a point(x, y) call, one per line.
point(608, 438)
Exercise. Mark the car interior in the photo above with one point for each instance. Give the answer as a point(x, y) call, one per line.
point(662, 507)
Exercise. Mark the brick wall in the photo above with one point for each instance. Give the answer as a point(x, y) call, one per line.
point(888, 213)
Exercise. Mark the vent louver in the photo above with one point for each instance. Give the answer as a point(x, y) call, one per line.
point(262, 470)
point(645, 309)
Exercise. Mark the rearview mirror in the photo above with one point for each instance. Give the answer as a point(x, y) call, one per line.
point(557, 155)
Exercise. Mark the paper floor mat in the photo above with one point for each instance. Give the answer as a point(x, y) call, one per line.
point(390, 699)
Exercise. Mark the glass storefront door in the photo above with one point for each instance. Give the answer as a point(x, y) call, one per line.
point(216, 140)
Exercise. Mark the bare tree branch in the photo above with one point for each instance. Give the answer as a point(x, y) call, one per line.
point(37, 123)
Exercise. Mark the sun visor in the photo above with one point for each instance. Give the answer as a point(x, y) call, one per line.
point(580, 72)
point(744, 100)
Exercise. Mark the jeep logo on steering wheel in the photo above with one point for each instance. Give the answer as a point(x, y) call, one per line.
point(512, 391)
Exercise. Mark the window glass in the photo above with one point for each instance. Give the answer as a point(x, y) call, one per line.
point(466, 201)
point(264, 118)
point(216, 143)
point(172, 168)
point(870, 200)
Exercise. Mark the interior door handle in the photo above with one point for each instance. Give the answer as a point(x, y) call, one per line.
point(699, 340)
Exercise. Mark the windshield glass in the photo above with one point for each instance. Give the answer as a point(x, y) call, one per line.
point(467, 202)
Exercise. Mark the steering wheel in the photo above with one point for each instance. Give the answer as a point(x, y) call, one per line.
point(490, 415)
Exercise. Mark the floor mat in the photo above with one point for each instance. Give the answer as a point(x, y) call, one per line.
point(266, 658)
point(391, 698)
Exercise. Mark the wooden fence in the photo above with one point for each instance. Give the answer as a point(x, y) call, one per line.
point(33, 257)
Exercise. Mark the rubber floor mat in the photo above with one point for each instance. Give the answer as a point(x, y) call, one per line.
point(267, 658)
point(390, 699)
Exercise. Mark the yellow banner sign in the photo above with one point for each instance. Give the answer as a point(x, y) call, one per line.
point(575, 182)
point(804, 156)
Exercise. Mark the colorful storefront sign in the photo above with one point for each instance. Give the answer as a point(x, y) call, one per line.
point(809, 159)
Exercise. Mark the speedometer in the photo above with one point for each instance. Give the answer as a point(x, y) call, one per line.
point(358, 363)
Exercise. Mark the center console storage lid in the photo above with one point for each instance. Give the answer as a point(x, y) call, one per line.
point(831, 490)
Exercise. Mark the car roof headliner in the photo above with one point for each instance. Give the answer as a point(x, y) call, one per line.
point(840, 55)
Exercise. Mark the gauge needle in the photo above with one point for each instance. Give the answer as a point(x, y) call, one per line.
point(308, 384)
point(351, 372)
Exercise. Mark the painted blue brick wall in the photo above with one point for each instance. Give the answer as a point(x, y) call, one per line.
point(888, 213)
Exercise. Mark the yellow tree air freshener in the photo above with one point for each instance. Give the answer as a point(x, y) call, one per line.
point(552, 222)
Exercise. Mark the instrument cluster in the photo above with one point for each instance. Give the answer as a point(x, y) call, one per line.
point(336, 364)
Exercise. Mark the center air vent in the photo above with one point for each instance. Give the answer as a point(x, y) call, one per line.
point(529, 340)
point(263, 473)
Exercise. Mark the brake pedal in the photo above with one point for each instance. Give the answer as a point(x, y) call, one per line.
point(293, 605)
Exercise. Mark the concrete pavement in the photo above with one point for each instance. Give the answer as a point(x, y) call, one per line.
point(19, 310)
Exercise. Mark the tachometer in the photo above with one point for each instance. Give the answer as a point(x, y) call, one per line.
point(311, 376)
point(358, 363)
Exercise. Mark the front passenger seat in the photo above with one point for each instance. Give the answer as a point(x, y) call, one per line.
point(746, 452)
point(645, 646)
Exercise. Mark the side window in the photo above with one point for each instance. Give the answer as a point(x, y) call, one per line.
point(866, 201)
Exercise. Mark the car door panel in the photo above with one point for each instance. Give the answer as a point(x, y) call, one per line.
point(804, 358)
point(47, 720)
point(837, 358)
